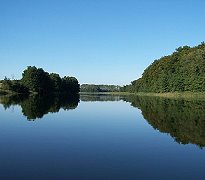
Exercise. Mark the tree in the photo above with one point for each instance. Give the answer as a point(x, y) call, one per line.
point(56, 82)
point(36, 79)
point(70, 85)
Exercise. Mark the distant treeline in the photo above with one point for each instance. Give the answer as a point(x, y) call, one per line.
point(184, 70)
point(99, 88)
point(36, 80)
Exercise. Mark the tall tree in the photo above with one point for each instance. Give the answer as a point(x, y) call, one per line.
point(56, 82)
point(36, 79)
point(70, 85)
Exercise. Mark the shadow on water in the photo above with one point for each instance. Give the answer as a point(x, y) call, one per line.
point(183, 119)
point(35, 106)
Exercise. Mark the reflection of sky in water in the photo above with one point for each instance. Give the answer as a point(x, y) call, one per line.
point(97, 140)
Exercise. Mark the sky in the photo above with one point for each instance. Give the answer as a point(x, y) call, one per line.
point(96, 41)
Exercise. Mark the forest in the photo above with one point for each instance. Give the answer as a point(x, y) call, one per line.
point(99, 88)
point(37, 81)
point(184, 70)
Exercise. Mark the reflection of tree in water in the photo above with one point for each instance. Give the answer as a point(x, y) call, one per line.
point(183, 119)
point(8, 101)
point(36, 106)
point(99, 97)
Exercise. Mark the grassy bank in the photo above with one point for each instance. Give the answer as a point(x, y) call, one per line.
point(190, 95)
point(187, 95)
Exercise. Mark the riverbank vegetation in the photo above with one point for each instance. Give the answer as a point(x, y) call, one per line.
point(37, 81)
point(173, 95)
point(182, 71)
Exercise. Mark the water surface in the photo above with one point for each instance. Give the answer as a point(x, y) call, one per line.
point(101, 137)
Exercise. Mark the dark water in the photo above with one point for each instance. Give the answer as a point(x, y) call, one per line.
point(101, 137)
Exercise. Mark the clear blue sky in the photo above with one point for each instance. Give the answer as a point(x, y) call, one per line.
point(97, 41)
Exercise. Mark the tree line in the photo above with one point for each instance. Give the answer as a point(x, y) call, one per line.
point(36, 80)
point(184, 70)
point(99, 88)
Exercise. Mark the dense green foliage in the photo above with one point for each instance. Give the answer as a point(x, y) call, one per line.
point(13, 86)
point(184, 70)
point(36, 80)
point(56, 81)
point(183, 119)
point(70, 84)
point(99, 88)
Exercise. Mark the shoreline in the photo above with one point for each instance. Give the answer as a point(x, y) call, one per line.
point(173, 95)
point(177, 95)
point(105, 93)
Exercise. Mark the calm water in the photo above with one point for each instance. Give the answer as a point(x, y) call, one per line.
point(101, 137)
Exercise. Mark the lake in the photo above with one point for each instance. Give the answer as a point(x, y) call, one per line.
point(101, 137)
